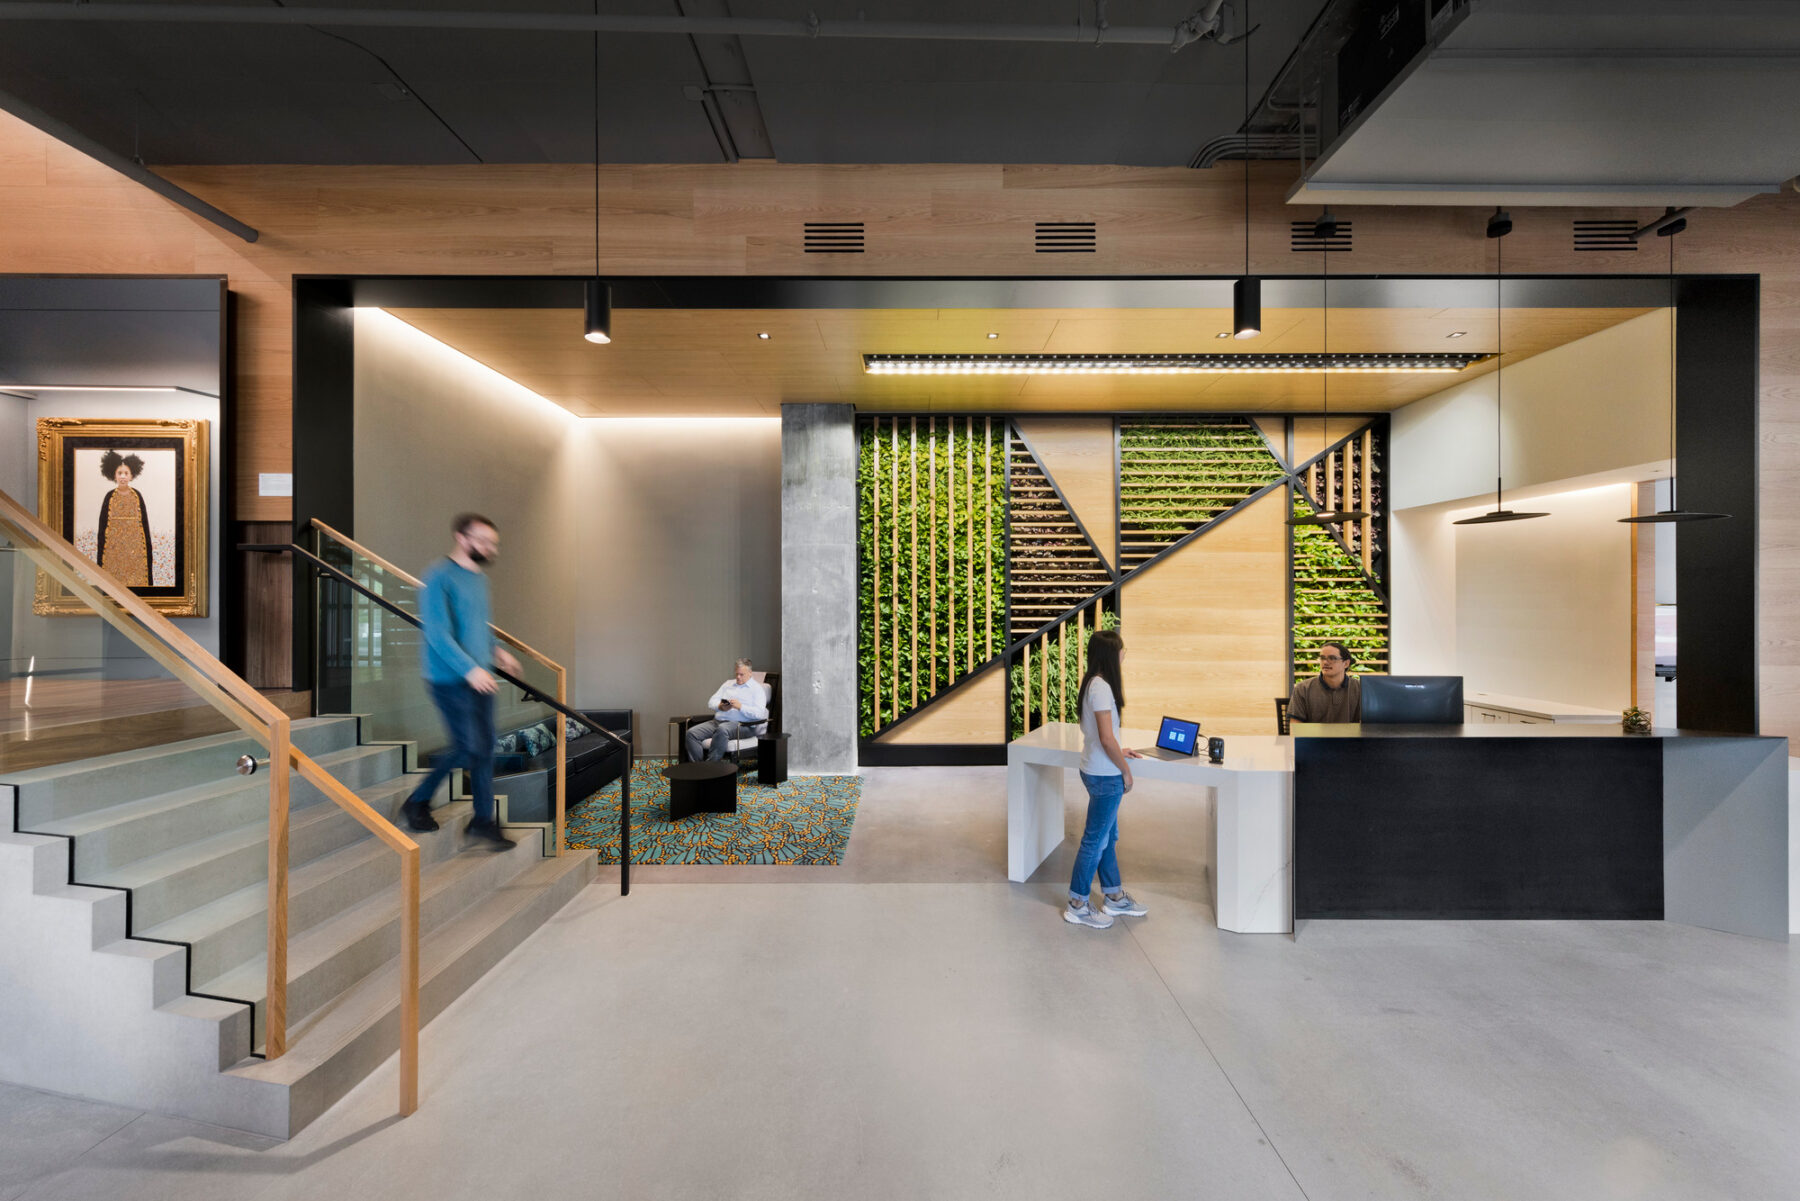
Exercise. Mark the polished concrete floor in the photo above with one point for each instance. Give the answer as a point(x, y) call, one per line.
point(908, 1025)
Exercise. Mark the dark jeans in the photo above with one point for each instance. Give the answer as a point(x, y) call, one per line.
point(469, 716)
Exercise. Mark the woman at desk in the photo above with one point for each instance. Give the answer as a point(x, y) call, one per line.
point(1334, 695)
point(1106, 774)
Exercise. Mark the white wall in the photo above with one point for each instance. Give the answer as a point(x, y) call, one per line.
point(1543, 608)
point(687, 575)
point(1540, 608)
point(1597, 406)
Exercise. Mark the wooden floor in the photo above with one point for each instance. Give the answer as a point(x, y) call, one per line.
point(63, 720)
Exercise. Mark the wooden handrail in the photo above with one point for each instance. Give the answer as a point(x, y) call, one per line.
point(518, 644)
point(387, 832)
point(227, 692)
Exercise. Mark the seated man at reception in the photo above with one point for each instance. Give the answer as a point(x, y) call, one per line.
point(740, 708)
point(1334, 695)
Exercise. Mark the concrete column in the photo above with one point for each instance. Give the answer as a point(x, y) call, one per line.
point(818, 586)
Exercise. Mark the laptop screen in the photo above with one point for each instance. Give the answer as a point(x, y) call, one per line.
point(1182, 737)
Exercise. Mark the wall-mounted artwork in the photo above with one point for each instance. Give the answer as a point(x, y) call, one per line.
point(131, 496)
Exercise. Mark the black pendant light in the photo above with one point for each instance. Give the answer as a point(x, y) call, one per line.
point(1326, 516)
point(1246, 294)
point(1499, 225)
point(598, 301)
point(1674, 512)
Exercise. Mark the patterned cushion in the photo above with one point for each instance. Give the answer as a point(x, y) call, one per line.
point(535, 740)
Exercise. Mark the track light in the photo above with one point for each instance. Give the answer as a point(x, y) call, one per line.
point(1500, 224)
point(1325, 226)
point(599, 311)
point(1246, 307)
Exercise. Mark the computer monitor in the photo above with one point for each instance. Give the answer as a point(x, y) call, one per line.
point(1412, 700)
point(1182, 737)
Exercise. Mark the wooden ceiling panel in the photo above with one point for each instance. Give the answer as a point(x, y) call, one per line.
point(710, 362)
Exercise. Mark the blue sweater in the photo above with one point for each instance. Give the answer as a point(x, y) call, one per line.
point(454, 608)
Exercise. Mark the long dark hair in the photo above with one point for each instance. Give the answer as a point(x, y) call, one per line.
point(1103, 651)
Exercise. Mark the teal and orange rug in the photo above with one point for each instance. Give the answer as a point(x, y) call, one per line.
point(807, 820)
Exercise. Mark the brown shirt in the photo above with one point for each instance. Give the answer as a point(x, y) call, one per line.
point(1313, 701)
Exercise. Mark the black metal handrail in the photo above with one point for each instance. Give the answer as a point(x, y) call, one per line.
point(535, 693)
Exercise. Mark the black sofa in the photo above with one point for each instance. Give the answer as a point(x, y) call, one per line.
point(594, 761)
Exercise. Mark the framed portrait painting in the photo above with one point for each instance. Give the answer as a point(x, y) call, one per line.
point(132, 496)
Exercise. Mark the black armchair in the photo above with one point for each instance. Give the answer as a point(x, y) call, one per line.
point(743, 751)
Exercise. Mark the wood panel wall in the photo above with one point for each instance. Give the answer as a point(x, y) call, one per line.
point(972, 716)
point(1077, 453)
point(62, 212)
point(1206, 628)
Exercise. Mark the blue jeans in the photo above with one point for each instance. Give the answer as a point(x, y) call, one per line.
point(1100, 838)
point(469, 716)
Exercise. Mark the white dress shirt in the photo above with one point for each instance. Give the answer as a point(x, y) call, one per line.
point(753, 707)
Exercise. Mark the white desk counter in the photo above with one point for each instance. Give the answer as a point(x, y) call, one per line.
point(1253, 810)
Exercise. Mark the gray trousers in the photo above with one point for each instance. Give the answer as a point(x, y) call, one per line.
point(722, 733)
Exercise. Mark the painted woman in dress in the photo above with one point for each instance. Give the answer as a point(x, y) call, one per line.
point(123, 543)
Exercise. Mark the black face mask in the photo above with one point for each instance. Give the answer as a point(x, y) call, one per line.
point(478, 558)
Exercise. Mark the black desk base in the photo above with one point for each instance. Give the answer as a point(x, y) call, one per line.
point(706, 787)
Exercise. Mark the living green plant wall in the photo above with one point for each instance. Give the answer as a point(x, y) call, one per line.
point(1333, 601)
point(931, 540)
point(1176, 474)
point(1061, 667)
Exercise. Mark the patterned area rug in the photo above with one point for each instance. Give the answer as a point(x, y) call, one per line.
point(806, 820)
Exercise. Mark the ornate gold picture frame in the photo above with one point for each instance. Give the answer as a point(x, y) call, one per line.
point(132, 496)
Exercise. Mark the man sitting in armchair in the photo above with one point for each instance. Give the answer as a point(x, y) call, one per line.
point(740, 708)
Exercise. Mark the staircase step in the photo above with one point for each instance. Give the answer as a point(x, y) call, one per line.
point(335, 1048)
point(124, 833)
point(226, 933)
point(201, 872)
point(66, 790)
point(333, 955)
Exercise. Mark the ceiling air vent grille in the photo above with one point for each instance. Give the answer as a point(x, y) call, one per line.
point(1066, 237)
point(1605, 235)
point(1302, 238)
point(834, 237)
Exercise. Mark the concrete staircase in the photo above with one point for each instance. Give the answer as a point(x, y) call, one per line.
point(133, 893)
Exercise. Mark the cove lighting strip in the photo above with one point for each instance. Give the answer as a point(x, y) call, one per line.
point(1163, 364)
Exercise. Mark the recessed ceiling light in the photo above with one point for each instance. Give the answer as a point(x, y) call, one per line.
point(993, 335)
point(1223, 335)
point(763, 336)
point(1461, 333)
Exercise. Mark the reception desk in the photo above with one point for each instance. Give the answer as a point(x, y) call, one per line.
point(1490, 821)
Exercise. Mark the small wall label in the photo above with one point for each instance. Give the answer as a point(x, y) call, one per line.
point(275, 483)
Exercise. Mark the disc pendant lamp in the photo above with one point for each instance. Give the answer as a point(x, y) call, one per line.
point(1674, 512)
point(1246, 293)
point(1498, 227)
point(597, 323)
point(1326, 516)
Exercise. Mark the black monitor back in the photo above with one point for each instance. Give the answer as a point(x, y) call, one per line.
point(1412, 700)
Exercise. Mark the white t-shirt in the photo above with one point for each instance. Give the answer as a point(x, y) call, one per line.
point(1099, 699)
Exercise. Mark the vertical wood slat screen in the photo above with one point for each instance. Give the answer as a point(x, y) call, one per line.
point(1046, 682)
point(907, 479)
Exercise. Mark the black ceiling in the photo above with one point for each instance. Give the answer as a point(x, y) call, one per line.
point(230, 93)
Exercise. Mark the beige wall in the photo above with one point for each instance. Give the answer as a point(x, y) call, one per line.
point(1598, 405)
point(1543, 608)
point(678, 522)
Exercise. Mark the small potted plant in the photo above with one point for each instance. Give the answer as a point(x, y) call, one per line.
point(1636, 721)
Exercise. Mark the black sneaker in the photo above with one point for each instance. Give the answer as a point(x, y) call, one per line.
point(489, 832)
point(418, 817)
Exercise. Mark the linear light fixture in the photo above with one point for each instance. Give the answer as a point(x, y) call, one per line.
point(1165, 364)
point(104, 388)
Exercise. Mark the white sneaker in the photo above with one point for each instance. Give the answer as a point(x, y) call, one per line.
point(1084, 915)
point(1120, 904)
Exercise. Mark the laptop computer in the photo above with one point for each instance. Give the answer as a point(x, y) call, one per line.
point(1176, 740)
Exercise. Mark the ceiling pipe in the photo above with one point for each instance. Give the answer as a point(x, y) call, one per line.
point(130, 168)
point(1195, 28)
